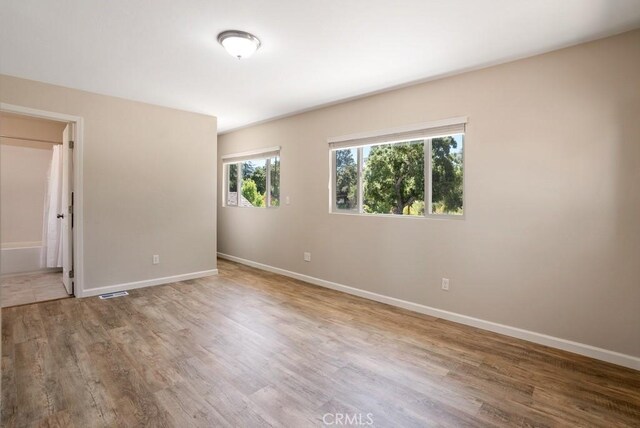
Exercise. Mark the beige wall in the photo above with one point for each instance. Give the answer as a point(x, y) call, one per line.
point(551, 239)
point(149, 175)
point(13, 125)
point(24, 166)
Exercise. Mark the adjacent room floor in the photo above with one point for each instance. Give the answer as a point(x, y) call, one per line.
point(30, 288)
point(250, 348)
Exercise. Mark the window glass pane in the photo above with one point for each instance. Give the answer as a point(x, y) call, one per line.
point(232, 184)
point(347, 179)
point(275, 181)
point(393, 177)
point(254, 183)
point(447, 175)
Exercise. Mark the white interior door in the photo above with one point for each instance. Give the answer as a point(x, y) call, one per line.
point(67, 214)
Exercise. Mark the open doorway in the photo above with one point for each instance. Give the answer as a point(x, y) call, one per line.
point(36, 203)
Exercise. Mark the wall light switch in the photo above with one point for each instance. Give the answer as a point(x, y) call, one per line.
point(156, 259)
point(287, 200)
point(445, 284)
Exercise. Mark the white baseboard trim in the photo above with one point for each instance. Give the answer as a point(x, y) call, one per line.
point(531, 336)
point(147, 283)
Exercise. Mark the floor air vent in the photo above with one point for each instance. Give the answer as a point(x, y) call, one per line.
point(114, 294)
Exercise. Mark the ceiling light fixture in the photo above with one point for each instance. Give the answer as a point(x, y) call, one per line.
point(239, 44)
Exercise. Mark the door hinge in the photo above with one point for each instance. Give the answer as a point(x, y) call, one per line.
point(71, 274)
point(71, 144)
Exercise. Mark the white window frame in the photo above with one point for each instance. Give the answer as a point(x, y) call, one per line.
point(238, 159)
point(424, 131)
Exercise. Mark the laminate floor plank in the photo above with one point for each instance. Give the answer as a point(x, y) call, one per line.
point(248, 348)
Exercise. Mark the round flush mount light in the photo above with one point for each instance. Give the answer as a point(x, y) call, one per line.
point(239, 44)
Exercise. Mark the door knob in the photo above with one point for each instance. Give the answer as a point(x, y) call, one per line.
point(60, 216)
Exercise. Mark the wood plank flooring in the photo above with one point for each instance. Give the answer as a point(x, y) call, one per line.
point(249, 348)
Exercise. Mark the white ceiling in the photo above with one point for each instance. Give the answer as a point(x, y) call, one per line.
point(314, 52)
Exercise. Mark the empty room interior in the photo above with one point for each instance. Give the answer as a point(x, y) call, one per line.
point(320, 213)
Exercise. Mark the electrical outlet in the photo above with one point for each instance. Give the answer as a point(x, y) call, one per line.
point(307, 257)
point(156, 259)
point(445, 284)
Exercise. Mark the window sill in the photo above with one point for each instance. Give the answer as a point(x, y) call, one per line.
point(418, 217)
point(250, 208)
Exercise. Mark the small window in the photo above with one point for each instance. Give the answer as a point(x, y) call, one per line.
point(232, 184)
point(252, 179)
point(419, 175)
point(254, 183)
point(447, 175)
point(346, 179)
point(274, 176)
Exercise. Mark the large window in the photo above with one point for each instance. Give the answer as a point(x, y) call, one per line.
point(252, 179)
point(419, 172)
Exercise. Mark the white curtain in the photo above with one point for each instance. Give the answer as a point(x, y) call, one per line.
point(52, 231)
